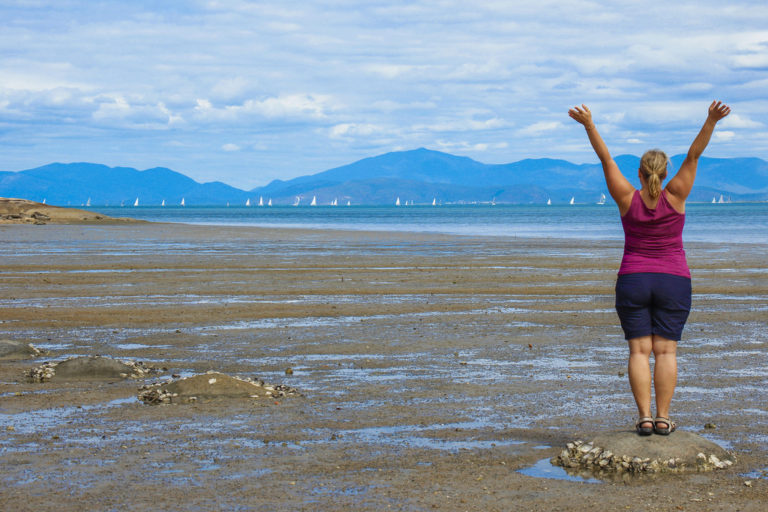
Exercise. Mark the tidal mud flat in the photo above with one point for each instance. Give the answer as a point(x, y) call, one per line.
point(432, 370)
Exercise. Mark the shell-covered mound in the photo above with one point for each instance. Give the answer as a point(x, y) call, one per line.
point(619, 452)
point(209, 386)
point(89, 368)
point(12, 349)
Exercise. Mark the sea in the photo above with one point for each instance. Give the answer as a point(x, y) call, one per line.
point(705, 222)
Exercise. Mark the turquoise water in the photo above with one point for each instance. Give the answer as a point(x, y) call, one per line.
point(729, 223)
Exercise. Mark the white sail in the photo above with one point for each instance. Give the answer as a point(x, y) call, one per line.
point(297, 201)
point(397, 203)
point(163, 203)
point(261, 201)
point(248, 202)
point(549, 201)
point(314, 201)
point(88, 203)
point(602, 199)
point(714, 200)
point(434, 201)
point(269, 203)
point(349, 203)
point(136, 202)
point(335, 202)
point(721, 199)
point(182, 202)
point(43, 200)
point(572, 201)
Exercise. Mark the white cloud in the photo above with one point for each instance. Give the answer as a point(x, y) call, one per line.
point(354, 129)
point(541, 127)
point(230, 147)
point(739, 121)
point(725, 135)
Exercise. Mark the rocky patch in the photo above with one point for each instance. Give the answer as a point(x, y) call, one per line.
point(211, 386)
point(89, 368)
point(12, 349)
point(627, 452)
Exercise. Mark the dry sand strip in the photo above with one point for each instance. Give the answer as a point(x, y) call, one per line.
point(24, 211)
point(432, 368)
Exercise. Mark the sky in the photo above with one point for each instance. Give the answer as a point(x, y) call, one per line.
point(245, 92)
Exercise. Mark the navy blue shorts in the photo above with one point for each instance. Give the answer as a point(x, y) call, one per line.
point(652, 303)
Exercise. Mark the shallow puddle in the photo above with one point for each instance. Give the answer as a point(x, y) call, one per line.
point(544, 469)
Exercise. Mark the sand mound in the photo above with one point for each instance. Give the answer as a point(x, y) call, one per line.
point(23, 211)
point(89, 368)
point(210, 386)
point(628, 452)
point(12, 349)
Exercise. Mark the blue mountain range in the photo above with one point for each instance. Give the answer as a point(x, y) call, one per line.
point(419, 175)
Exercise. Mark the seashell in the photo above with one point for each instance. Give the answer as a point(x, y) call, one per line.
point(585, 448)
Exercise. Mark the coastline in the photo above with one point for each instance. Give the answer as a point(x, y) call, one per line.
point(433, 367)
point(24, 211)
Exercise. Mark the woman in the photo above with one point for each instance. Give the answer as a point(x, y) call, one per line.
point(653, 290)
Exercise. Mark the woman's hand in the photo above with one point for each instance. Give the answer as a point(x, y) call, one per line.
point(718, 110)
point(582, 115)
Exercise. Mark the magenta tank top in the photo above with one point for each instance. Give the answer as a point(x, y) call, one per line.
point(653, 238)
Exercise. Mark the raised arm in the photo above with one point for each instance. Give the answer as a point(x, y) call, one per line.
point(618, 186)
point(682, 183)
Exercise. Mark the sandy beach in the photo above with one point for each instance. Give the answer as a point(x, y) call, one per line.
point(433, 369)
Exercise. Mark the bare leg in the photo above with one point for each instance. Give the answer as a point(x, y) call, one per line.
point(664, 373)
point(640, 374)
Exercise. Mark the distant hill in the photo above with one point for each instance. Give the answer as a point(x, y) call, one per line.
point(419, 175)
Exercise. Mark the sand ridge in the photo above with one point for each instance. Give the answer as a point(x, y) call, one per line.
point(24, 211)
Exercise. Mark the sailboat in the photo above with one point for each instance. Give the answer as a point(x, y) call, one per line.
point(261, 201)
point(397, 203)
point(43, 200)
point(493, 202)
point(335, 202)
point(602, 199)
point(182, 202)
point(349, 203)
point(248, 202)
point(136, 202)
point(434, 201)
point(573, 200)
point(297, 201)
point(714, 201)
point(163, 203)
point(314, 201)
point(88, 202)
point(721, 199)
point(269, 203)
point(549, 201)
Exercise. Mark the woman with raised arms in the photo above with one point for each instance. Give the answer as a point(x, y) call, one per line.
point(653, 288)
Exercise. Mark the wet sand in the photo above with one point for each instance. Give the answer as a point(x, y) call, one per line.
point(433, 368)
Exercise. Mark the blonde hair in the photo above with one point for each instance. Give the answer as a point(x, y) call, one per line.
point(653, 165)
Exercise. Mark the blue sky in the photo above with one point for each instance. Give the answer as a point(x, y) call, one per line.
point(246, 92)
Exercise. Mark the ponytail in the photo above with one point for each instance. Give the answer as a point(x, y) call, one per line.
point(654, 185)
point(653, 165)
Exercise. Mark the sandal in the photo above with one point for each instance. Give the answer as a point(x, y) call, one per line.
point(644, 431)
point(669, 427)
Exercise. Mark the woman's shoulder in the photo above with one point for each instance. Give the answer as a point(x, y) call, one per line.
point(674, 202)
point(625, 202)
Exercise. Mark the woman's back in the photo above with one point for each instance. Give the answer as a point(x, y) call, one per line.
point(653, 238)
